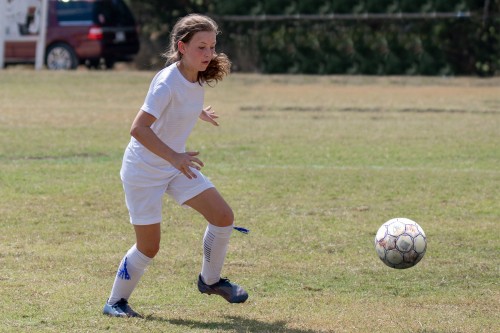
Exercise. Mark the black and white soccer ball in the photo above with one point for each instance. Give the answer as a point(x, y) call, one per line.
point(400, 243)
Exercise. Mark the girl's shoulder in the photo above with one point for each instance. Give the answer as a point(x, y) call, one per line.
point(164, 79)
point(167, 73)
point(171, 78)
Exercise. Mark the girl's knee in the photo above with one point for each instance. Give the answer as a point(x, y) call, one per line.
point(225, 218)
point(150, 250)
point(148, 239)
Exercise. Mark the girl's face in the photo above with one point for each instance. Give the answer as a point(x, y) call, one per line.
point(199, 51)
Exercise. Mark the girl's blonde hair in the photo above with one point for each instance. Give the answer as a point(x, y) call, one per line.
point(184, 30)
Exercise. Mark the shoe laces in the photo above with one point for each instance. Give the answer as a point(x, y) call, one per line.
point(121, 303)
point(223, 281)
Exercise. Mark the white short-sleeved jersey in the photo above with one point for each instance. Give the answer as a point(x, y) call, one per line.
point(176, 103)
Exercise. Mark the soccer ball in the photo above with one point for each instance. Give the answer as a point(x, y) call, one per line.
point(400, 243)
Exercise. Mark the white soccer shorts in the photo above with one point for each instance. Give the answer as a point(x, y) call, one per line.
point(145, 203)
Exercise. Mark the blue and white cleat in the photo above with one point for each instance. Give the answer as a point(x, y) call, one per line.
point(230, 291)
point(120, 309)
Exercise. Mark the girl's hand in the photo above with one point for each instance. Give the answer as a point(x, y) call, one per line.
point(185, 161)
point(207, 114)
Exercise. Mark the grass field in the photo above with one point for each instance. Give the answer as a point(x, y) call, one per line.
point(312, 165)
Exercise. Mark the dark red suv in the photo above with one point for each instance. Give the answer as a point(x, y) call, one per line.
point(95, 33)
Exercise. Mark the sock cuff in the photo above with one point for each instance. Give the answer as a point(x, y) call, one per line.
point(224, 232)
point(137, 259)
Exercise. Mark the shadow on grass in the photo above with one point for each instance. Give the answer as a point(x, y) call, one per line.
point(234, 324)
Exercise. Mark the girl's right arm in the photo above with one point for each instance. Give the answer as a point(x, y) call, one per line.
point(142, 132)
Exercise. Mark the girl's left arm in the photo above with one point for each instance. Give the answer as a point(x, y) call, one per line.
point(207, 114)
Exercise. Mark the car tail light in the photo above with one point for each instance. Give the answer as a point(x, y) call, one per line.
point(95, 33)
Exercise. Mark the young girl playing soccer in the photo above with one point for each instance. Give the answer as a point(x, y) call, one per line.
point(155, 162)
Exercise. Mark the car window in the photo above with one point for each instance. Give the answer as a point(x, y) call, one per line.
point(74, 12)
point(113, 12)
point(105, 13)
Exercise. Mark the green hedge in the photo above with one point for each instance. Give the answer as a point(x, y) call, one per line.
point(451, 46)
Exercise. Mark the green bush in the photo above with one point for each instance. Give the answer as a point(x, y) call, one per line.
point(451, 46)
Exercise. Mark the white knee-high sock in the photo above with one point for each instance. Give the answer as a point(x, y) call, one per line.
point(215, 243)
point(131, 269)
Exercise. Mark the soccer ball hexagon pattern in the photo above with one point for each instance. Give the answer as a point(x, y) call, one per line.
point(400, 243)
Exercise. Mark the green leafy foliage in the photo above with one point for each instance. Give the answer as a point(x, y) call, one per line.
point(447, 46)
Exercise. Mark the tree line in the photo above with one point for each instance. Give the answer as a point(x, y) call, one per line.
point(378, 37)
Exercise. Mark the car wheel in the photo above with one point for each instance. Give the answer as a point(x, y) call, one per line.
point(61, 56)
point(93, 63)
point(109, 63)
